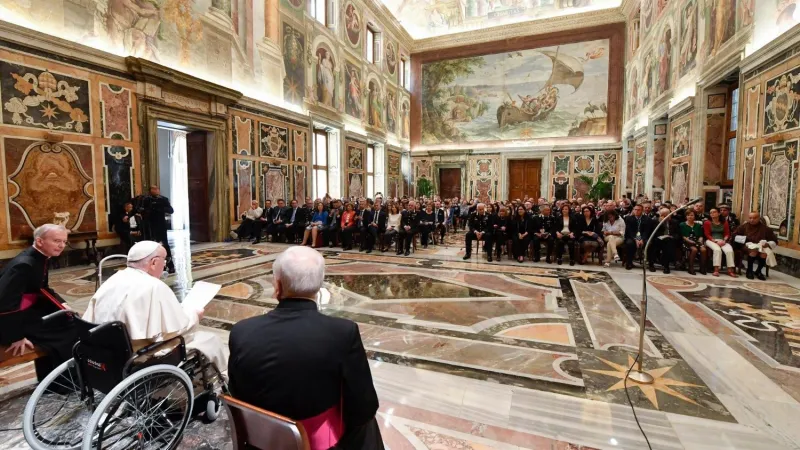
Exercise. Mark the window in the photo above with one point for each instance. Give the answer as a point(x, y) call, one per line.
point(321, 11)
point(320, 163)
point(405, 73)
point(373, 45)
point(370, 171)
point(733, 125)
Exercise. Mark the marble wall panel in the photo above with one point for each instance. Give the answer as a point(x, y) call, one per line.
point(274, 141)
point(243, 136)
point(49, 182)
point(682, 139)
point(44, 99)
point(244, 185)
point(118, 167)
point(778, 179)
point(300, 179)
point(748, 179)
point(300, 145)
point(275, 182)
point(782, 103)
point(751, 112)
point(715, 140)
point(659, 153)
point(115, 112)
point(679, 183)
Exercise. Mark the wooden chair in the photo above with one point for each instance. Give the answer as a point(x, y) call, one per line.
point(7, 360)
point(255, 428)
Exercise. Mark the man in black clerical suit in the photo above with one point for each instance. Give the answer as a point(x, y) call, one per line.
point(375, 225)
point(409, 226)
point(305, 365)
point(155, 207)
point(25, 298)
point(479, 228)
point(637, 231)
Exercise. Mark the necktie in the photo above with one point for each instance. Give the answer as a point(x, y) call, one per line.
point(377, 213)
point(294, 211)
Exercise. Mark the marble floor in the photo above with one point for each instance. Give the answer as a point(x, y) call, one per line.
point(478, 355)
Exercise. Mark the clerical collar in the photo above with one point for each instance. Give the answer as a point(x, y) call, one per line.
point(297, 303)
point(40, 252)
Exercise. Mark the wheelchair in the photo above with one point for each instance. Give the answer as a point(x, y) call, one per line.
point(110, 397)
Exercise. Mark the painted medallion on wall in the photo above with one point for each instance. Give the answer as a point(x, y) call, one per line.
point(326, 73)
point(375, 104)
point(47, 183)
point(294, 62)
point(720, 24)
point(42, 99)
point(646, 11)
point(274, 141)
point(782, 103)
point(353, 98)
point(391, 57)
point(547, 92)
point(391, 110)
point(352, 24)
point(688, 53)
point(681, 137)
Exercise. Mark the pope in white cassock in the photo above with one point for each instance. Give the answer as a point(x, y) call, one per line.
point(136, 297)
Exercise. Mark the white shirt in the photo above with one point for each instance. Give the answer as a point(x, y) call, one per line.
point(253, 214)
point(394, 221)
point(565, 230)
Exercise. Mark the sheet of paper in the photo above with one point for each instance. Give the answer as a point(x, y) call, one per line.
point(200, 295)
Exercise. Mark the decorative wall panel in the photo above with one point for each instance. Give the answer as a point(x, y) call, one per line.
point(483, 177)
point(748, 178)
point(715, 139)
point(275, 182)
point(779, 178)
point(679, 183)
point(243, 136)
point(244, 185)
point(567, 168)
point(356, 165)
point(48, 181)
point(782, 103)
point(659, 153)
point(38, 98)
point(115, 112)
point(274, 141)
point(119, 185)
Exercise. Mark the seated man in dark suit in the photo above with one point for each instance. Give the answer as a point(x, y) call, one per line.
point(302, 364)
point(292, 222)
point(637, 231)
point(277, 228)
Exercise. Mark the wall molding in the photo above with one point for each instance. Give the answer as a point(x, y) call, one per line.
point(770, 51)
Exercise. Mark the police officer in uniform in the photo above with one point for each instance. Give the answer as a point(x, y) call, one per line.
point(409, 225)
point(480, 229)
point(542, 224)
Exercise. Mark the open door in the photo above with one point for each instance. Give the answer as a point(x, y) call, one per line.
point(197, 175)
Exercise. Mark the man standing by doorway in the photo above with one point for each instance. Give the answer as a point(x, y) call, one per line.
point(156, 207)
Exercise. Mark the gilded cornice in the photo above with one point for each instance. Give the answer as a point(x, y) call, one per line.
point(531, 28)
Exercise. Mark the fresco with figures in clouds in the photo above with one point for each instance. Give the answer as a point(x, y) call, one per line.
point(429, 18)
point(547, 92)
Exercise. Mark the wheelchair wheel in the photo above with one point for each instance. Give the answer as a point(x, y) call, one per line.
point(55, 414)
point(147, 410)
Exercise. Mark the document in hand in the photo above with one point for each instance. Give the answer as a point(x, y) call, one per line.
point(201, 293)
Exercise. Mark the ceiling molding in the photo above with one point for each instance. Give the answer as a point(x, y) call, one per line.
point(387, 19)
point(629, 6)
point(531, 28)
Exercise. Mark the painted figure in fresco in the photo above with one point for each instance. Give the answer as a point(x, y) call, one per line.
point(665, 53)
point(723, 23)
point(375, 106)
point(689, 40)
point(406, 121)
point(356, 188)
point(391, 112)
point(325, 79)
point(135, 24)
point(354, 93)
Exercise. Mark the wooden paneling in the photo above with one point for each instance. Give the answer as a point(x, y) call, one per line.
point(197, 174)
point(616, 70)
point(524, 178)
point(450, 182)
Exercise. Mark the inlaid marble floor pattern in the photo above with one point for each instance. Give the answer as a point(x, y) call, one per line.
point(474, 355)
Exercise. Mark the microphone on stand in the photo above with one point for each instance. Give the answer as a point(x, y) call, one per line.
point(639, 375)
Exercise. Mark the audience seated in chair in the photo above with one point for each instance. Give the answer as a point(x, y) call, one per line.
point(305, 365)
point(542, 226)
point(589, 233)
point(637, 232)
point(316, 226)
point(692, 234)
point(479, 229)
point(662, 247)
point(717, 235)
point(759, 242)
point(392, 227)
point(565, 230)
point(409, 226)
point(248, 225)
point(613, 234)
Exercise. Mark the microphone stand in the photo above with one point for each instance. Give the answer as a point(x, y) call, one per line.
point(639, 375)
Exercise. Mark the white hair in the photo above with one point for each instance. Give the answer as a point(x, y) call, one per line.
point(481, 204)
point(300, 271)
point(42, 231)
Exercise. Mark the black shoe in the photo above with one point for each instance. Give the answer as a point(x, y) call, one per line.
point(628, 266)
point(571, 262)
point(666, 269)
point(703, 272)
point(559, 261)
point(537, 260)
point(750, 275)
point(547, 260)
point(467, 256)
point(489, 258)
point(651, 268)
point(761, 276)
point(424, 247)
point(399, 252)
point(330, 245)
point(407, 253)
point(369, 251)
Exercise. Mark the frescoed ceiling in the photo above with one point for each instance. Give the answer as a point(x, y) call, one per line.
point(431, 18)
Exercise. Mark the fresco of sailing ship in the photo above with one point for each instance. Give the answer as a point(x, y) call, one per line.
point(549, 92)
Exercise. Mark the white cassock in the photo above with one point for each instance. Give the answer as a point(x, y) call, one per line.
point(152, 313)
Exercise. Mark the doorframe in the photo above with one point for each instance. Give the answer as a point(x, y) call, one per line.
point(450, 165)
point(544, 187)
point(151, 114)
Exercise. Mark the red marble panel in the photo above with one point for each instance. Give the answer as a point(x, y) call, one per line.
point(116, 108)
point(715, 140)
point(659, 152)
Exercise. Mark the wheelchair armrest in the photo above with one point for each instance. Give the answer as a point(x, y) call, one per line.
point(62, 314)
point(158, 345)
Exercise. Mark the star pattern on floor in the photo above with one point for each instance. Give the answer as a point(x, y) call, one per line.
point(660, 383)
point(585, 276)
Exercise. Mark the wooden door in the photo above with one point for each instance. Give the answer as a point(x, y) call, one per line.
point(524, 178)
point(449, 183)
point(197, 174)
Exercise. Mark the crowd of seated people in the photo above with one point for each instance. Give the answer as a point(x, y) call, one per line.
point(609, 231)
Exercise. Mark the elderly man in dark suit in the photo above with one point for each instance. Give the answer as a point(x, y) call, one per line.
point(25, 298)
point(637, 231)
point(300, 363)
